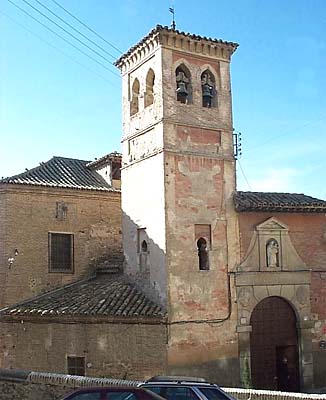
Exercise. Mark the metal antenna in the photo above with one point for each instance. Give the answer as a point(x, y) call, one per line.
point(173, 24)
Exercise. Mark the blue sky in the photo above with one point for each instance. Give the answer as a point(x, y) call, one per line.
point(56, 101)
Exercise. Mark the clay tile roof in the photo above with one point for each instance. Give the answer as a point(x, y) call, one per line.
point(159, 28)
point(61, 172)
point(277, 202)
point(109, 295)
point(115, 157)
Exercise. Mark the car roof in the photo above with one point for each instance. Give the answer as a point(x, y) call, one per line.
point(175, 383)
point(110, 388)
point(176, 378)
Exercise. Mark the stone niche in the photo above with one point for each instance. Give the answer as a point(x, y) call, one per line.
point(271, 249)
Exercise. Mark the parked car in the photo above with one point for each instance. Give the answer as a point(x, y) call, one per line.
point(112, 393)
point(185, 388)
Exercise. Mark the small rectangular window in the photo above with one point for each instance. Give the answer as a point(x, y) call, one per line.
point(61, 252)
point(76, 365)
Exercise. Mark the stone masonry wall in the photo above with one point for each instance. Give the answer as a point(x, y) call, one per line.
point(122, 351)
point(31, 391)
point(94, 218)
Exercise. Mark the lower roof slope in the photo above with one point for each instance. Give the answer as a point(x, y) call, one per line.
point(64, 173)
point(278, 202)
point(104, 295)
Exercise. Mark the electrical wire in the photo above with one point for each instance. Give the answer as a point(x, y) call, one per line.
point(288, 132)
point(67, 32)
point(76, 30)
point(56, 48)
point(244, 175)
point(62, 38)
point(87, 27)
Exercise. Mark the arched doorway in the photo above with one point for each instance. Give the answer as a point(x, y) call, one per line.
point(274, 346)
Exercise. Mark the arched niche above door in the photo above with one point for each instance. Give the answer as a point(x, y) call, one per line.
point(271, 249)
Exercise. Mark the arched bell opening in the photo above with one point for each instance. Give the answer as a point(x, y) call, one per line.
point(183, 84)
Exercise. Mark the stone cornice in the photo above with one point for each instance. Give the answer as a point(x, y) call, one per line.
point(174, 39)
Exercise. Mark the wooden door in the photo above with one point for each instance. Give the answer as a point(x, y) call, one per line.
point(272, 340)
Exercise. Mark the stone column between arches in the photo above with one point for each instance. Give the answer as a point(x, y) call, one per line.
point(253, 287)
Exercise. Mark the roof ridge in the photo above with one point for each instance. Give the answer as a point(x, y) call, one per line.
point(70, 158)
point(249, 191)
point(279, 193)
point(61, 172)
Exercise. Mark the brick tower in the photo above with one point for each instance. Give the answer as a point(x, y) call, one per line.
point(178, 176)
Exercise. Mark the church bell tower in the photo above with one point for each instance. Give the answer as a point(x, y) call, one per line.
point(178, 176)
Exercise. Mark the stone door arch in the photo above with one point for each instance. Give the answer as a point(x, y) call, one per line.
point(274, 346)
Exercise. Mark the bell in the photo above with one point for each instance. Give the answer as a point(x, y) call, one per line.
point(182, 92)
point(207, 90)
point(207, 95)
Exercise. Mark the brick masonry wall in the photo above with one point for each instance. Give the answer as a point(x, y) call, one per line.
point(308, 235)
point(3, 252)
point(134, 351)
point(94, 218)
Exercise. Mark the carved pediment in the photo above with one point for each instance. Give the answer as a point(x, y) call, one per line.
point(272, 224)
point(271, 249)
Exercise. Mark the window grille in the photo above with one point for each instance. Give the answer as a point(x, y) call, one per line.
point(61, 252)
point(76, 365)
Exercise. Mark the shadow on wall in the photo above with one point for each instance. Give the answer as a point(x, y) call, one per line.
point(145, 259)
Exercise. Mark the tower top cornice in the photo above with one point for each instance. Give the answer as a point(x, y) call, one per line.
point(171, 38)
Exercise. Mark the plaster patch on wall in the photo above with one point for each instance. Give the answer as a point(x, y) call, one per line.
point(205, 173)
point(199, 182)
point(102, 343)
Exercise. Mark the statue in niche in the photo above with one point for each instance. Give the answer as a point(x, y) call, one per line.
point(272, 253)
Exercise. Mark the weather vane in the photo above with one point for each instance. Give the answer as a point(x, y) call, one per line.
point(172, 11)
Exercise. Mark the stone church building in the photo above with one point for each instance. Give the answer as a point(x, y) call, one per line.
point(217, 283)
